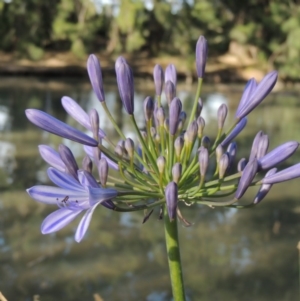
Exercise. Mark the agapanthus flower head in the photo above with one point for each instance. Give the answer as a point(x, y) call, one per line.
point(95, 75)
point(125, 84)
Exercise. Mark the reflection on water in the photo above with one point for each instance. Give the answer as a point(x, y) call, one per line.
point(227, 254)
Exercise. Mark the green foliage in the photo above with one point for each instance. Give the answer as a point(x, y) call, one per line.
point(30, 27)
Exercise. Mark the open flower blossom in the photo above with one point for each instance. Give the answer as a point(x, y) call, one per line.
point(162, 171)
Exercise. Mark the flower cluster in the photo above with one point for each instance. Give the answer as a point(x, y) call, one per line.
point(173, 161)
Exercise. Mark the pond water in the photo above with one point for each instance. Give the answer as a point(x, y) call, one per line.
point(227, 254)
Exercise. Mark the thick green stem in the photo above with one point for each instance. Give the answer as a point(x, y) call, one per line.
point(172, 243)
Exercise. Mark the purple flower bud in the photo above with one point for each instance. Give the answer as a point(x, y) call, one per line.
point(94, 119)
point(171, 194)
point(52, 125)
point(278, 155)
point(219, 152)
point(241, 165)
point(201, 56)
point(178, 145)
point(103, 171)
point(222, 113)
point(182, 116)
point(148, 108)
point(201, 126)
point(237, 129)
point(158, 76)
point(167, 125)
point(160, 116)
point(161, 163)
point(69, 160)
point(203, 161)
point(119, 151)
point(262, 146)
point(125, 84)
point(264, 188)
point(255, 143)
point(129, 146)
point(171, 75)
point(205, 142)
point(231, 150)
point(191, 133)
point(283, 175)
point(260, 92)
point(247, 177)
point(87, 164)
point(95, 75)
point(176, 172)
point(248, 92)
point(223, 165)
point(170, 91)
point(199, 107)
point(174, 111)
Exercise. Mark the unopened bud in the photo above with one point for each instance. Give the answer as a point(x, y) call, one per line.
point(103, 171)
point(222, 113)
point(171, 195)
point(176, 172)
point(201, 126)
point(205, 142)
point(87, 164)
point(94, 120)
point(167, 125)
point(119, 151)
point(241, 165)
point(199, 107)
point(158, 76)
point(160, 116)
point(223, 165)
point(263, 146)
point(174, 112)
point(68, 158)
point(161, 163)
point(148, 108)
point(178, 145)
point(129, 146)
point(170, 91)
point(203, 161)
point(219, 152)
point(191, 133)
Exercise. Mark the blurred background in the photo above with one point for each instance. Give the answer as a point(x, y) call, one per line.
point(228, 255)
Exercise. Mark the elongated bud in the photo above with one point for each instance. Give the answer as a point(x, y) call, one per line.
point(167, 125)
point(264, 188)
point(176, 172)
point(52, 125)
point(258, 95)
point(103, 171)
point(191, 133)
point(174, 111)
point(171, 74)
point(125, 84)
point(205, 142)
point(247, 177)
point(237, 129)
point(160, 116)
point(262, 146)
point(201, 56)
point(199, 107)
point(170, 91)
point(171, 195)
point(255, 143)
point(161, 164)
point(241, 165)
point(283, 175)
point(219, 152)
point(182, 116)
point(278, 155)
point(87, 164)
point(178, 145)
point(203, 161)
point(223, 165)
point(94, 120)
point(180, 126)
point(158, 76)
point(119, 151)
point(69, 160)
point(231, 150)
point(129, 146)
point(222, 113)
point(201, 126)
point(95, 75)
point(148, 108)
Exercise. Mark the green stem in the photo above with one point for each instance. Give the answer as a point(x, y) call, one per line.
point(172, 243)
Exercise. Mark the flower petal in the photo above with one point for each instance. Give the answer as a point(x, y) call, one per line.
point(58, 219)
point(86, 179)
point(99, 195)
point(52, 157)
point(84, 223)
point(52, 195)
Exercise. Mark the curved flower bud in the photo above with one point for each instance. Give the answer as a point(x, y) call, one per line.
point(174, 111)
point(201, 56)
point(241, 165)
point(262, 146)
point(237, 129)
point(52, 125)
point(171, 195)
point(201, 126)
point(95, 75)
point(205, 142)
point(219, 152)
point(223, 165)
point(247, 177)
point(103, 171)
point(170, 91)
point(69, 160)
point(203, 161)
point(158, 76)
point(160, 116)
point(260, 92)
point(278, 155)
point(171, 75)
point(264, 188)
point(94, 120)
point(222, 113)
point(231, 150)
point(176, 172)
point(161, 164)
point(283, 175)
point(87, 164)
point(191, 133)
point(125, 84)
point(148, 108)
point(255, 143)
point(199, 107)
point(129, 146)
point(178, 145)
